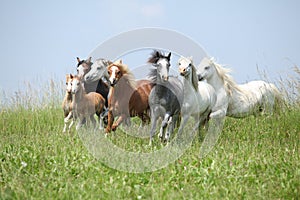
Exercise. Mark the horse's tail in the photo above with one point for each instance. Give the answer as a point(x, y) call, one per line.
point(279, 104)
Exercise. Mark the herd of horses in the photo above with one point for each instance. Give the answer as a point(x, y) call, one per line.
point(110, 90)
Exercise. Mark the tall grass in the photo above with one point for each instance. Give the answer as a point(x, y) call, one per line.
point(255, 158)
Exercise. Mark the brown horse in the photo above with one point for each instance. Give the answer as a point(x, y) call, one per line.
point(127, 97)
point(67, 104)
point(85, 105)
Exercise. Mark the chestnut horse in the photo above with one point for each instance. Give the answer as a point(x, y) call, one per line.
point(127, 97)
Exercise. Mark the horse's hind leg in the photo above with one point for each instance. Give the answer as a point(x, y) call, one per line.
point(93, 120)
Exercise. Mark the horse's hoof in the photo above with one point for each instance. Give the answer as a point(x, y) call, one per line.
point(114, 127)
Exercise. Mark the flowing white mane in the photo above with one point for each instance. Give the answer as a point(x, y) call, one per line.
point(229, 83)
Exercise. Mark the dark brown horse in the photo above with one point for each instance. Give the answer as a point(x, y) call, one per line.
point(127, 97)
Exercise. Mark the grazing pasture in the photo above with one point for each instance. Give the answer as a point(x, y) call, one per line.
point(255, 158)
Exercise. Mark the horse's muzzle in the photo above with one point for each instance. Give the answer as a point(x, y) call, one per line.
point(200, 78)
point(165, 78)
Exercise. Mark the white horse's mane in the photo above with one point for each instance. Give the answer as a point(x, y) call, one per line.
point(229, 82)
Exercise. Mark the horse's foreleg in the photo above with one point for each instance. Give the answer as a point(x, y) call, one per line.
point(66, 120)
point(164, 125)
point(170, 129)
point(118, 122)
point(81, 121)
point(183, 123)
point(110, 121)
point(153, 128)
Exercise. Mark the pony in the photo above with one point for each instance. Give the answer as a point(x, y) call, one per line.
point(67, 104)
point(235, 100)
point(199, 97)
point(127, 97)
point(166, 96)
point(85, 105)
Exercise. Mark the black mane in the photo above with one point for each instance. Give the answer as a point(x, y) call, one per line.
point(84, 61)
point(156, 55)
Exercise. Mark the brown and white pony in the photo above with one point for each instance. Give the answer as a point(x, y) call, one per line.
point(67, 104)
point(85, 105)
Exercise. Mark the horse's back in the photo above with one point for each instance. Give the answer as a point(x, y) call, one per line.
point(96, 98)
point(139, 100)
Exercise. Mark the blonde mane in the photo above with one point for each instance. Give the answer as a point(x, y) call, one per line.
point(127, 74)
point(229, 83)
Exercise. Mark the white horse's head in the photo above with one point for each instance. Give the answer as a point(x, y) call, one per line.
point(206, 69)
point(185, 66)
point(163, 67)
point(98, 70)
point(83, 66)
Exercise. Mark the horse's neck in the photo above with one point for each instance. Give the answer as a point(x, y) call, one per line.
point(68, 96)
point(188, 85)
point(79, 95)
point(91, 87)
point(216, 82)
point(161, 87)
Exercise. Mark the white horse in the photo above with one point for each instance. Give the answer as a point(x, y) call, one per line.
point(199, 97)
point(237, 100)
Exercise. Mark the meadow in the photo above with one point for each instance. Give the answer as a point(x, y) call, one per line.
point(255, 158)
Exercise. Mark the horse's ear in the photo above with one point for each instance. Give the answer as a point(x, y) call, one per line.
point(89, 60)
point(190, 58)
point(71, 76)
point(120, 61)
point(68, 77)
point(169, 56)
point(157, 53)
point(78, 60)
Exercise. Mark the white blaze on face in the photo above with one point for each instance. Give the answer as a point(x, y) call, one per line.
point(69, 85)
point(164, 65)
point(80, 70)
point(75, 85)
point(113, 74)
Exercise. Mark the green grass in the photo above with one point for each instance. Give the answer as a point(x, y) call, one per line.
point(255, 158)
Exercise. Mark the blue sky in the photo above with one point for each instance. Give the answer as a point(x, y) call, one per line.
point(41, 39)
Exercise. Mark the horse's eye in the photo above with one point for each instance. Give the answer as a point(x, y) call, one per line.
point(119, 72)
point(179, 63)
point(190, 64)
point(206, 68)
